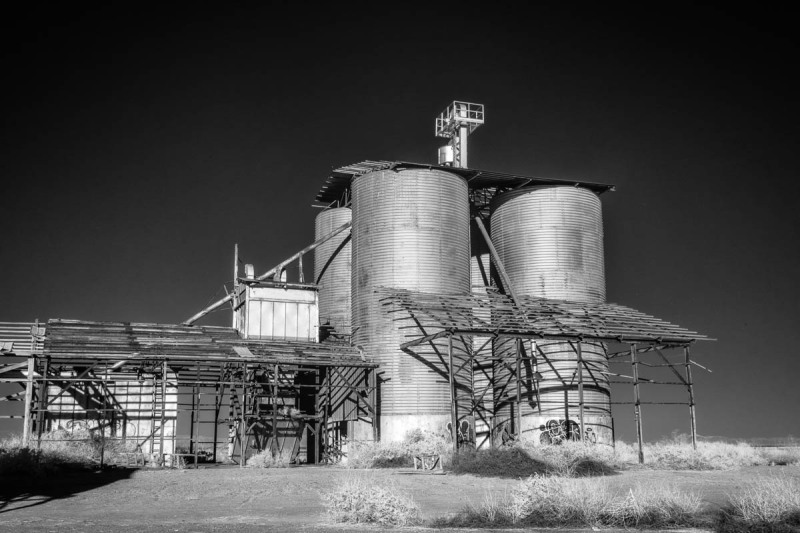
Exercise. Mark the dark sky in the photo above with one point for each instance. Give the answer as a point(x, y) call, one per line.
point(139, 145)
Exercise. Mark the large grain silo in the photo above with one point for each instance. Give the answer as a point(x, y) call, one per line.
point(332, 266)
point(550, 241)
point(410, 231)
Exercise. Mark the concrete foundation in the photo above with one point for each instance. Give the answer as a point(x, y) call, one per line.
point(393, 428)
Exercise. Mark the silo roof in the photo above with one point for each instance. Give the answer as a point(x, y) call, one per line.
point(338, 182)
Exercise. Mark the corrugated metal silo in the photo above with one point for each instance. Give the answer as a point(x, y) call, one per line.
point(550, 240)
point(410, 231)
point(334, 256)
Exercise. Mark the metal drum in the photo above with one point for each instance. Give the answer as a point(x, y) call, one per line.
point(334, 256)
point(550, 240)
point(410, 231)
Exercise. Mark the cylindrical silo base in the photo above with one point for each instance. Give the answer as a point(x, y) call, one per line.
point(394, 428)
point(543, 430)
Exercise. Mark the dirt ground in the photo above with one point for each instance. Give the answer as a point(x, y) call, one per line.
point(283, 499)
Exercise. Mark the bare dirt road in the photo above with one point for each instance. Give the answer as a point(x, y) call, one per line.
point(282, 499)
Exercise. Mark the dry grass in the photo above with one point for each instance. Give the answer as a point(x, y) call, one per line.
point(266, 459)
point(498, 462)
point(564, 502)
point(780, 456)
point(397, 454)
point(708, 456)
point(765, 505)
point(363, 500)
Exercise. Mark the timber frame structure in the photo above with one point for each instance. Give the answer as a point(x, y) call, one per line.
point(114, 379)
point(634, 338)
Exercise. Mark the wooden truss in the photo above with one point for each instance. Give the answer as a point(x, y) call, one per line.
point(134, 382)
point(496, 318)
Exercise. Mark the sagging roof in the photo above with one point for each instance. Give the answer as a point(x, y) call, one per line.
point(540, 317)
point(338, 183)
point(79, 340)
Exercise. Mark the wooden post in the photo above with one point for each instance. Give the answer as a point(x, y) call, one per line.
point(518, 342)
point(243, 422)
point(301, 276)
point(42, 410)
point(535, 368)
point(163, 408)
point(690, 387)
point(235, 291)
point(637, 403)
point(29, 385)
point(276, 449)
point(580, 391)
point(453, 407)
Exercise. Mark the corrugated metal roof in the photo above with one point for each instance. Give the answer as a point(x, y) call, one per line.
point(533, 316)
point(79, 340)
point(338, 182)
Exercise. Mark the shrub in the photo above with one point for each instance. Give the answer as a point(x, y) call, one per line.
point(266, 459)
point(571, 459)
point(778, 456)
point(359, 500)
point(397, 454)
point(708, 456)
point(563, 502)
point(769, 505)
point(653, 507)
point(498, 462)
point(59, 450)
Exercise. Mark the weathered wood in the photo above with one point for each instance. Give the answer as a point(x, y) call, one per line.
point(579, 352)
point(26, 425)
point(690, 387)
point(453, 406)
point(637, 404)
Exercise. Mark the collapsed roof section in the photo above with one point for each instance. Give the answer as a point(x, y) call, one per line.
point(80, 340)
point(496, 314)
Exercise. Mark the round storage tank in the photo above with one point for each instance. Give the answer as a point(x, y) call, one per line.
point(334, 256)
point(550, 240)
point(410, 231)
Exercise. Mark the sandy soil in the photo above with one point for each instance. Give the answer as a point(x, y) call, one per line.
point(288, 499)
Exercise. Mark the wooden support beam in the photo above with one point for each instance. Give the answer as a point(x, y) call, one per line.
point(453, 406)
point(274, 271)
point(637, 403)
point(276, 370)
point(163, 409)
point(690, 388)
point(41, 412)
point(424, 340)
point(517, 343)
point(579, 352)
point(243, 424)
point(15, 366)
point(27, 423)
point(498, 263)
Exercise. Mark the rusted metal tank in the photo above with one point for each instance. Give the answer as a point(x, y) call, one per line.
point(550, 240)
point(410, 231)
point(332, 268)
